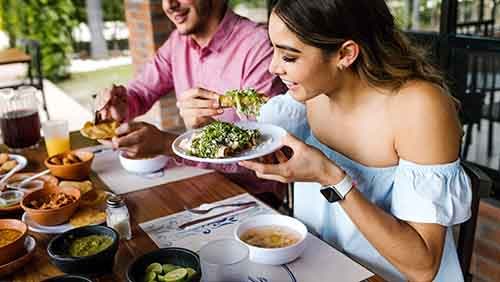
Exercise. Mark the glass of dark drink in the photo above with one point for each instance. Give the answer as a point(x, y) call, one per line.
point(19, 119)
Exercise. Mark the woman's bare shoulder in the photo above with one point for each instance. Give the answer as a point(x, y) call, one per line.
point(426, 124)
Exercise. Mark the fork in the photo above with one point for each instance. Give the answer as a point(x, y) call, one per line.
point(205, 211)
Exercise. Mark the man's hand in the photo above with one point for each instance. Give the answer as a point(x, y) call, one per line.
point(112, 103)
point(140, 139)
point(197, 107)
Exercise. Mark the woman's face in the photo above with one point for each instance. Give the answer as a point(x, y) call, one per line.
point(303, 68)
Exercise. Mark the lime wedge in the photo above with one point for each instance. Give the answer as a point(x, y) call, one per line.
point(154, 267)
point(190, 273)
point(169, 267)
point(150, 276)
point(177, 275)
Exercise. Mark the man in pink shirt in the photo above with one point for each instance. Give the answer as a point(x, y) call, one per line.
point(211, 51)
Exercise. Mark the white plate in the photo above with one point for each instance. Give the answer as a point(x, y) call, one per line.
point(270, 142)
point(55, 229)
point(22, 162)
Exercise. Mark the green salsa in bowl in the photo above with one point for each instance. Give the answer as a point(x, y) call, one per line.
point(89, 245)
point(84, 250)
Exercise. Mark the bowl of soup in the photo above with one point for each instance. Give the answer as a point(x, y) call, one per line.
point(143, 165)
point(272, 239)
point(12, 235)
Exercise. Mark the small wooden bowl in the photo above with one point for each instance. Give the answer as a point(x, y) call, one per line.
point(75, 171)
point(51, 216)
point(18, 177)
point(14, 249)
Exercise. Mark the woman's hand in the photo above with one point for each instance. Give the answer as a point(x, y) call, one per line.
point(306, 164)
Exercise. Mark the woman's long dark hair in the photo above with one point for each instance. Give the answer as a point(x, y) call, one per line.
point(387, 59)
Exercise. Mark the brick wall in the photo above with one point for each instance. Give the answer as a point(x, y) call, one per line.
point(149, 27)
point(485, 265)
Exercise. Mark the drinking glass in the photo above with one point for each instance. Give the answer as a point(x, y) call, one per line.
point(19, 120)
point(224, 260)
point(56, 135)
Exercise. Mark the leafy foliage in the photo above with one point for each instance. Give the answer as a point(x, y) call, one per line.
point(47, 21)
point(112, 10)
point(249, 3)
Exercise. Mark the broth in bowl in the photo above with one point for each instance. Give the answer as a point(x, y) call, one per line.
point(271, 236)
point(8, 236)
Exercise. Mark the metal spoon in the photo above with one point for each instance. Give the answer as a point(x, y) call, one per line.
point(8, 175)
point(27, 180)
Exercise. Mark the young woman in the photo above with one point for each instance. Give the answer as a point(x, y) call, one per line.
point(378, 174)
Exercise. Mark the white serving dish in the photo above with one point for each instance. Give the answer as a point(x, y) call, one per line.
point(143, 166)
point(270, 141)
point(275, 256)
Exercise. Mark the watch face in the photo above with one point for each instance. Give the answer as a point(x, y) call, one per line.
point(331, 195)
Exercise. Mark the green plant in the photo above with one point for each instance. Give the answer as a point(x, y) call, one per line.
point(112, 10)
point(48, 21)
point(249, 3)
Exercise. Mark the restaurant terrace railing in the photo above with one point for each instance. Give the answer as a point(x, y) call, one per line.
point(484, 28)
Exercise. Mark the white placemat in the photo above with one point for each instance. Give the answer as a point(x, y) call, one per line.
point(108, 168)
point(320, 262)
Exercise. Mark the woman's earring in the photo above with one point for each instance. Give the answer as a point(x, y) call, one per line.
point(341, 67)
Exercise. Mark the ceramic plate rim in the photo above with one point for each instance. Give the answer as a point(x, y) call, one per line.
point(276, 132)
point(22, 162)
point(54, 229)
point(29, 252)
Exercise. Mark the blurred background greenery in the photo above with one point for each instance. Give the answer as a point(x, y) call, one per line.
point(53, 22)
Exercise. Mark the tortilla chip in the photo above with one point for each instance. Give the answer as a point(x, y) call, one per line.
point(3, 158)
point(93, 198)
point(104, 130)
point(87, 216)
point(7, 166)
point(83, 186)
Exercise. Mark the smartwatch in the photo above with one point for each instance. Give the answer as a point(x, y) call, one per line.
point(337, 192)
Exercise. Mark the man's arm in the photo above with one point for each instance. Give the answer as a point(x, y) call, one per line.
point(154, 81)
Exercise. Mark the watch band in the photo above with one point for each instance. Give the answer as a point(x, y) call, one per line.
point(344, 186)
point(338, 191)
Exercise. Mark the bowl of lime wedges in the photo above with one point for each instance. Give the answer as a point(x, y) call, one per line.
point(166, 265)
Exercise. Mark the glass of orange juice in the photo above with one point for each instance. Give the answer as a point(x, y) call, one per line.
point(56, 135)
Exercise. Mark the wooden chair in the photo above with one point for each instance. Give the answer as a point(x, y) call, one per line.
point(35, 73)
point(31, 56)
point(481, 187)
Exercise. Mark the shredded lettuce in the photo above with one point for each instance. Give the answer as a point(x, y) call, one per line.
point(246, 101)
point(223, 136)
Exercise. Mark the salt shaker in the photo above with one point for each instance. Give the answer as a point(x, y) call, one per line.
point(118, 217)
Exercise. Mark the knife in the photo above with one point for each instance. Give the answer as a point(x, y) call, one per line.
point(203, 219)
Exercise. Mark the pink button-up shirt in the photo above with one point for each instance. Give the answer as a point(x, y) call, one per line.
point(237, 57)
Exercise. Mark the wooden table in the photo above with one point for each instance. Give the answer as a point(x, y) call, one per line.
point(13, 56)
point(143, 205)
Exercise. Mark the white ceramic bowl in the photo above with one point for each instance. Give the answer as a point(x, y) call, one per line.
point(143, 166)
point(275, 256)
